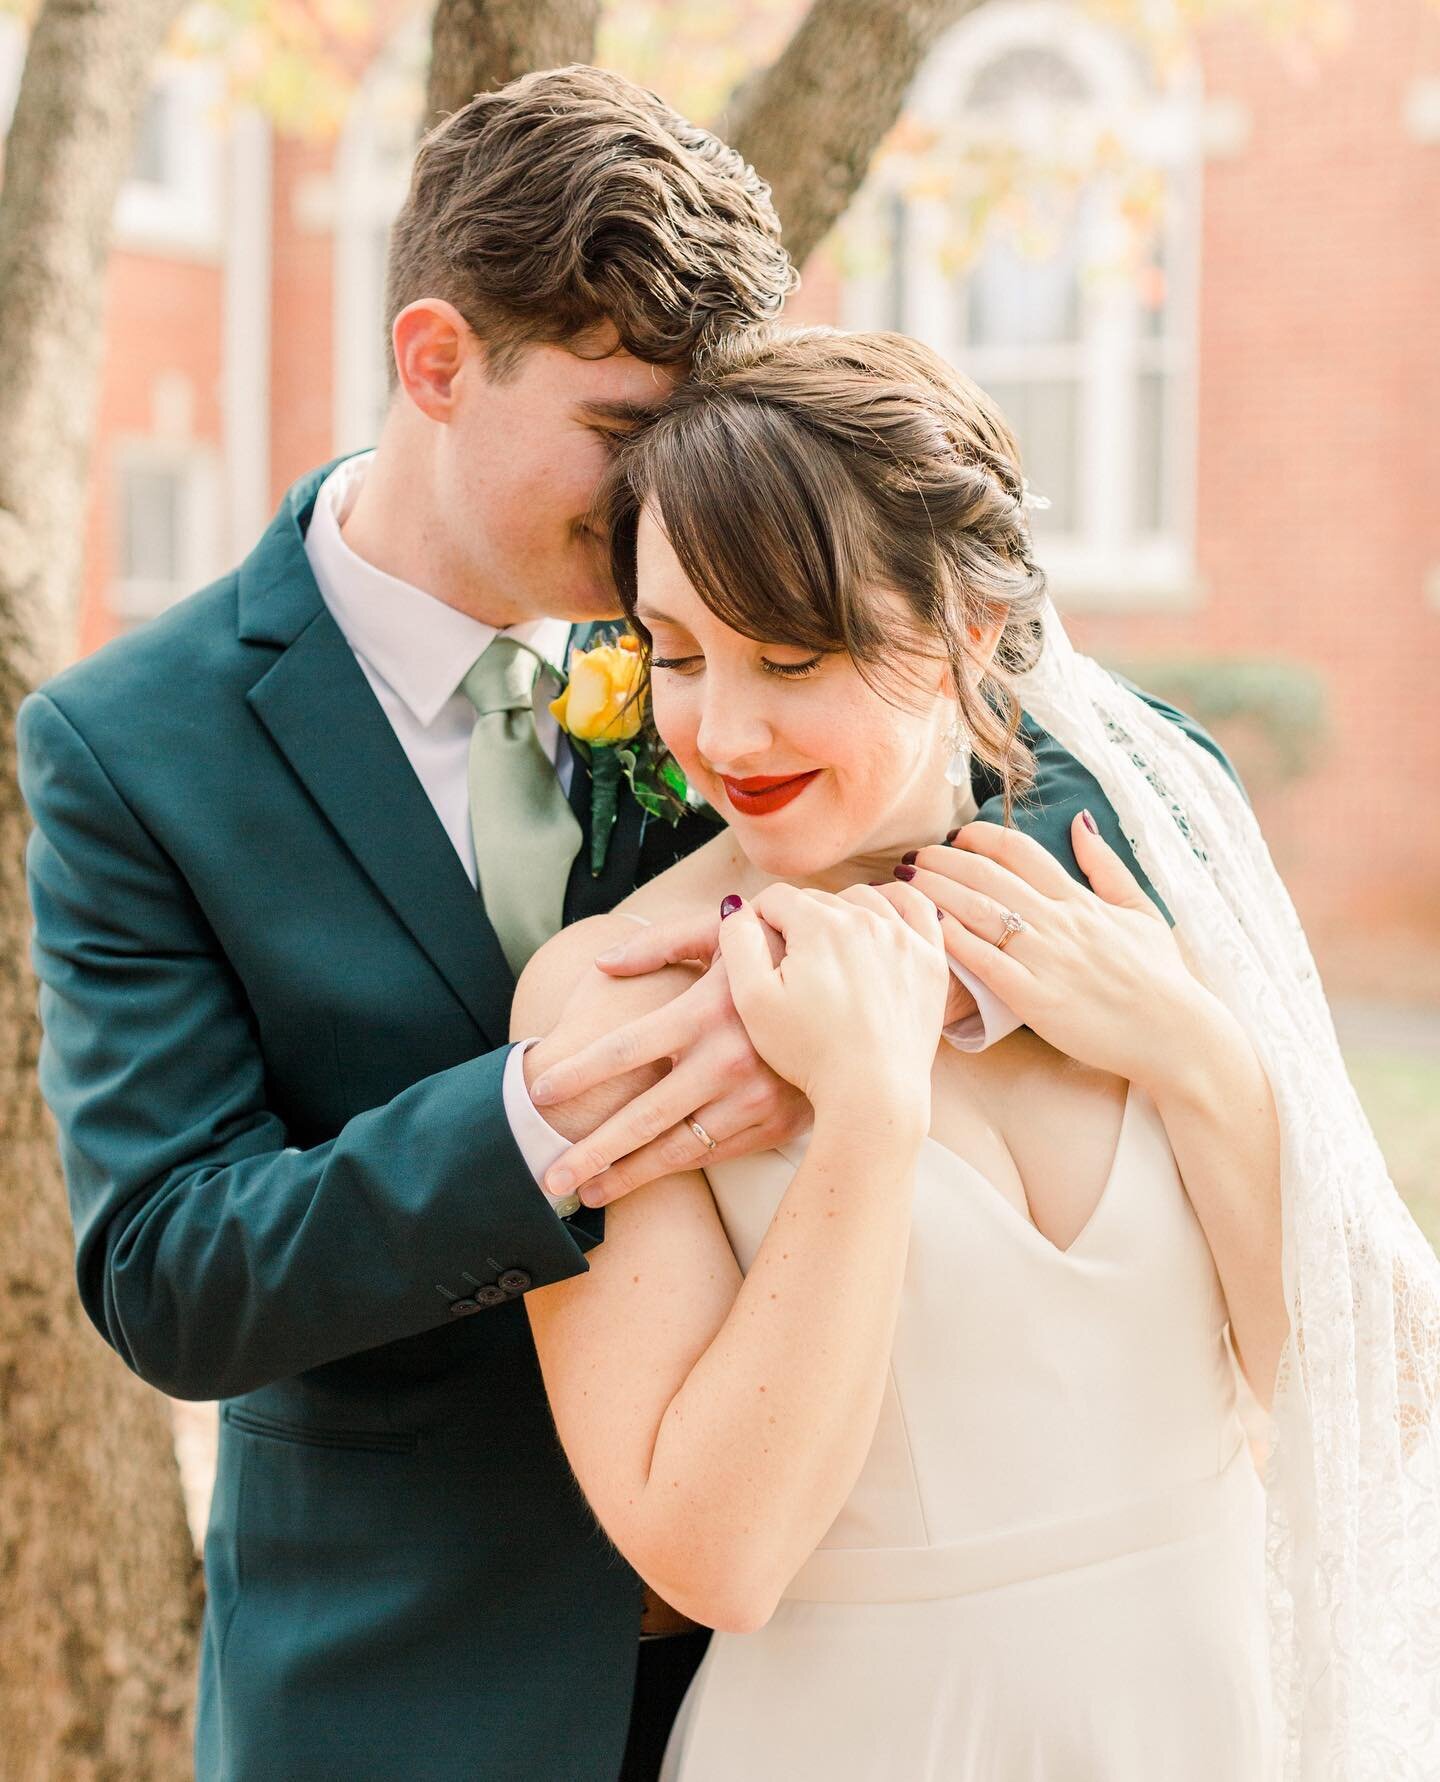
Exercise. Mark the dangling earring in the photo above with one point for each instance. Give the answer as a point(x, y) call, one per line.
point(957, 768)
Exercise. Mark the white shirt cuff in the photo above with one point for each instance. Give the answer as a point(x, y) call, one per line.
point(993, 1020)
point(538, 1142)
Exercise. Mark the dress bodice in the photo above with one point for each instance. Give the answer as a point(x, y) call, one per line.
point(1029, 1384)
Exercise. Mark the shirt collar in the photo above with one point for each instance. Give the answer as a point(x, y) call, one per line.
point(417, 644)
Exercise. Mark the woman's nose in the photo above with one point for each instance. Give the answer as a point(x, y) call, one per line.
point(733, 733)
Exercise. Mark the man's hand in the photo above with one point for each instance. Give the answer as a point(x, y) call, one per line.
point(715, 1077)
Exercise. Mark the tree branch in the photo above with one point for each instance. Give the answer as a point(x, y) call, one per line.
point(812, 121)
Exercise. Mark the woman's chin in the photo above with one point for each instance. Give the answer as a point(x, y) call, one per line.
point(796, 854)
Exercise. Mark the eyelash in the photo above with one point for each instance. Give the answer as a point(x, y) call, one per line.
point(788, 671)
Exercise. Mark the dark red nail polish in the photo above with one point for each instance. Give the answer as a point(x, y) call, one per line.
point(905, 872)
point(1089, 822)
point(950, 839)
point(910, 858)
point(729, 905)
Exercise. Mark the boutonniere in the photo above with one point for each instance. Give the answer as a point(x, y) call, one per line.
point(604, 710)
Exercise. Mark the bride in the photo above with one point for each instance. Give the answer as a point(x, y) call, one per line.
point(933, 1415)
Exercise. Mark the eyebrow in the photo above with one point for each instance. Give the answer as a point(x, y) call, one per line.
point(615, 413)
point(653, 612)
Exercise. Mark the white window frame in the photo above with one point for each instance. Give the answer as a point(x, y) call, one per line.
point(1107, 565)
point(200, 531)
point(184, 216)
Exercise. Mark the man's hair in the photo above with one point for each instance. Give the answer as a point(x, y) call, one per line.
point(570, 198)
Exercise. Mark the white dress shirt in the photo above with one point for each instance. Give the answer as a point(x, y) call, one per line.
point(414, 651)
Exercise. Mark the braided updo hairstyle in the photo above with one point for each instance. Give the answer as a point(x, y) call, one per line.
point(800, 470)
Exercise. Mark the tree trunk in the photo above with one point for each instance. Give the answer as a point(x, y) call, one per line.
point(99, 1589)
point(479, 44)
point(810, 123)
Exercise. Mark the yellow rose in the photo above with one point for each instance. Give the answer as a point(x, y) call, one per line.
point(597, 705)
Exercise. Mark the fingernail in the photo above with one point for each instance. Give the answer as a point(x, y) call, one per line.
point(540, 1092)
point(729, 905)
point(610, 955)
point(905, 872)
point(910, 858)
point(559, 1181)
point(1089, 822)
point(950, 838)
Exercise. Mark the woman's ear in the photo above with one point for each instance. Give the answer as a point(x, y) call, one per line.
point(431, 341)
point(981, 643)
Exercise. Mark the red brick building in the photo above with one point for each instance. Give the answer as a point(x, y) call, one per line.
point(1240, 437)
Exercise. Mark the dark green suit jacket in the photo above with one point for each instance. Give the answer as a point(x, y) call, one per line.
point(275, 1029)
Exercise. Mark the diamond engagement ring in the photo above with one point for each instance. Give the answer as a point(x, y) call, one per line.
point(700, 1133)
point(1013, 925)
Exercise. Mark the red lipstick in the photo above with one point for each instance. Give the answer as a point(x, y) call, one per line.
point(764, 793)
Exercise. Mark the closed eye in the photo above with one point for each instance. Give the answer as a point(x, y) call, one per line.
point(792, 671)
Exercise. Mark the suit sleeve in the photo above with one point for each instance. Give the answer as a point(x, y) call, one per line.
point(1063, 788)
point(213, 1255)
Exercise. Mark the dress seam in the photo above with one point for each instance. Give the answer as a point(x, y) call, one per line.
point(909, 1451)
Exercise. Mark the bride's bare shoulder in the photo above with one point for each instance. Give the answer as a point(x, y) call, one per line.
point(697, 881)
point(565, 965)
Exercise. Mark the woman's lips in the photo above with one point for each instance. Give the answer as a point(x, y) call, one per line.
point(766, 792)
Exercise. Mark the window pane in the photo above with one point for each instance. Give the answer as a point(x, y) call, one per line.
point(897, 221)
point(1045, 418)
point(1019, 300)
point(151, 165)
point(150, 525)
point(1151, 471)
point(1023, 72)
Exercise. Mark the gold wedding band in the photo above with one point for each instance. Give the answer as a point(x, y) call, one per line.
point(1013, 925)
point(700, 1133)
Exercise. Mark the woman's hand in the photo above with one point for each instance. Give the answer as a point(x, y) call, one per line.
point(1097, 973)
point(851, 1014)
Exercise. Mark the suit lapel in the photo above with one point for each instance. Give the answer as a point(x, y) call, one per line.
point(319, 709)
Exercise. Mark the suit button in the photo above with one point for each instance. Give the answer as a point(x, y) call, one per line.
point(459, 1307)
point(490, 1296)
point(514, 1280)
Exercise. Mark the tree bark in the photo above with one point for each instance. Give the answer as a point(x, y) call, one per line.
point(99, 1588)
point(479, 44)
point(810, 123)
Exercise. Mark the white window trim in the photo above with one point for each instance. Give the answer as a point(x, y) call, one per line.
point(200, 525)
point(1103, 569)
point(183, 219)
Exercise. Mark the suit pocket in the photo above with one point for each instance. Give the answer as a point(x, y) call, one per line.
point(305, 1435)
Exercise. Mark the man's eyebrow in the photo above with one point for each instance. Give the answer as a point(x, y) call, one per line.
point(614, 413)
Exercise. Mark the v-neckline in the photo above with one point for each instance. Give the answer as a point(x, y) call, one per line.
point(1012, 1212)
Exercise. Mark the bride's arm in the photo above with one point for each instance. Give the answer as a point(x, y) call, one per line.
point(716, 1422)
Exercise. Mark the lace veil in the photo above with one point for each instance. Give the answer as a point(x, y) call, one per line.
point(1353, 1473)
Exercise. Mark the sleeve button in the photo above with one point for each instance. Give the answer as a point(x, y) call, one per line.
point(460, 1307)
point(514, 1280)
point(490, 1296)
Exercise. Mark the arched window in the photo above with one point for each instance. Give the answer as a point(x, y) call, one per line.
point(1038, 225)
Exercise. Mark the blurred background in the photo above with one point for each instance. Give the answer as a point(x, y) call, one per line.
point(1192, 246)
point(1193, 250)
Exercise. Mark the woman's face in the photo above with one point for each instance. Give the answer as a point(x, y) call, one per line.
point(809, 764)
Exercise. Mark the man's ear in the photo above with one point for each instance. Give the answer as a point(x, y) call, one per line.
point(431, 341)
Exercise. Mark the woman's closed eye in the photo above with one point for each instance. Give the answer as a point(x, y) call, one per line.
point(793, 671)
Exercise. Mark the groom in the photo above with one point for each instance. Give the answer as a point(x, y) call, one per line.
point(292, 841)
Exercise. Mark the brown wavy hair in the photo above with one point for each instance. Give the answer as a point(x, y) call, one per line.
point(571, 197)
point(801, 470)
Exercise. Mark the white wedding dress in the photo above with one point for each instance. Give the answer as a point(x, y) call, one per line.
point(1051, 1567)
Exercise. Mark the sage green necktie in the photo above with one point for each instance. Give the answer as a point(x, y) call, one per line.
point(526, 835)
